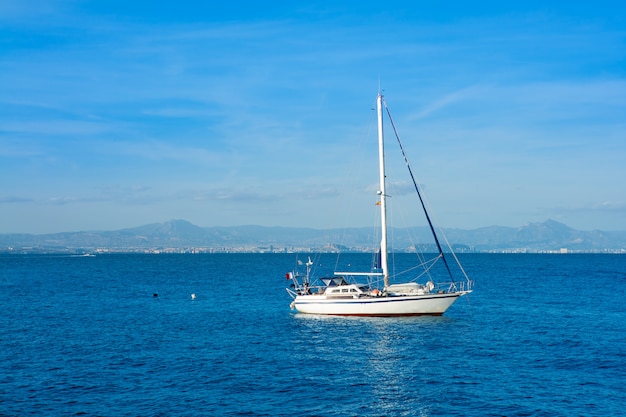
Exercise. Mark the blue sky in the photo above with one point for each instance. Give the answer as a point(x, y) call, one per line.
point(116, 114)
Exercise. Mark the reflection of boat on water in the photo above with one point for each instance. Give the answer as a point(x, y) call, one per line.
point(342, 294)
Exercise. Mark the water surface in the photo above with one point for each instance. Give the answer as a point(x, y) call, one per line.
point(541, 335)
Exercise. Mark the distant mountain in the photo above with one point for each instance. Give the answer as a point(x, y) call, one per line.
point(178, 234)
point(549, 235)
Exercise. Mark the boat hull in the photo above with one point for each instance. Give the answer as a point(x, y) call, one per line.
point(417, 305)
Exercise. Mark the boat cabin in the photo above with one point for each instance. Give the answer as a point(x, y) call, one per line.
point(337, 287)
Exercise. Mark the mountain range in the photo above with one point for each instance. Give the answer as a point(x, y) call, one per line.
point(180, 234)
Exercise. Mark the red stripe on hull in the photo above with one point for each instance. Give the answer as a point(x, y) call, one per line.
point(377, 315)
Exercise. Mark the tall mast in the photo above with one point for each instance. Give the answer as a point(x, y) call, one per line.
point(382, 191)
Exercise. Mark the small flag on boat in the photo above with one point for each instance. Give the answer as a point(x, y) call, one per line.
point(289, 275)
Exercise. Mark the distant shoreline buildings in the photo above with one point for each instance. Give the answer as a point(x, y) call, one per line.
point(272, 250)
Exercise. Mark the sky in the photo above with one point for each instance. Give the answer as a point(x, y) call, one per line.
point(116, 114)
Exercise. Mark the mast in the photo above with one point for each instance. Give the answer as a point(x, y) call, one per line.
point(382, 191)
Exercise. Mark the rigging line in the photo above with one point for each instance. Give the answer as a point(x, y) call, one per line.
point(426, 265)
point(343, 198)
point(456, 259)
point(430, 223)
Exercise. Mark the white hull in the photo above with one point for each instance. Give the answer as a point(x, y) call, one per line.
point(404, 305)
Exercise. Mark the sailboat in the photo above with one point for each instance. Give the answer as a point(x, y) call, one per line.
point(343, 295)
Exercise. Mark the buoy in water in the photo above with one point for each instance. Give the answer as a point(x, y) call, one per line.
point(193, 296)
point(155, 295)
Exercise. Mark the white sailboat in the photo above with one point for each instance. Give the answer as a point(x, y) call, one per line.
point(342, 295)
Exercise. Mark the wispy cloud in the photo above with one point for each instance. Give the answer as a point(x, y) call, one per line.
point(14, 200)
point(446, 100)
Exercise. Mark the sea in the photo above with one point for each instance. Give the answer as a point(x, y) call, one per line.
point(122, 335)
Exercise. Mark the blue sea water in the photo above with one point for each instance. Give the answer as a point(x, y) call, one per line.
point(542, 335)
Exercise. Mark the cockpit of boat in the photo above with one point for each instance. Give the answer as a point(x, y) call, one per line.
point(333, 281)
